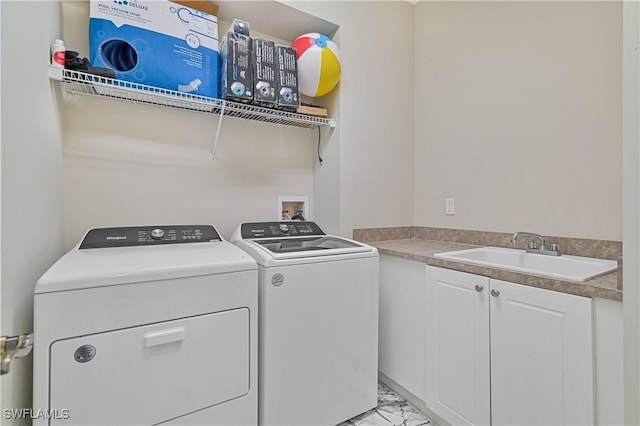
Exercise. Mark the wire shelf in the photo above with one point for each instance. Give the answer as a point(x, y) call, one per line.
point(88, 84)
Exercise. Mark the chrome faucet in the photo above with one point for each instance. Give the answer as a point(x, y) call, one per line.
point(532, 247)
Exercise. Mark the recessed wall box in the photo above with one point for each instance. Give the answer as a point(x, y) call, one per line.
point(290, 206)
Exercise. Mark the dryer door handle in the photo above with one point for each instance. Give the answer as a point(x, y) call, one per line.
point(163, 337)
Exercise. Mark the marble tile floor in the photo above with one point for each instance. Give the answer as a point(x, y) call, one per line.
point(392, 410)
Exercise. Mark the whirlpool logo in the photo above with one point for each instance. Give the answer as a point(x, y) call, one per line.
point(277, 279)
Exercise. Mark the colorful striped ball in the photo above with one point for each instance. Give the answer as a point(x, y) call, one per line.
point(318, 64)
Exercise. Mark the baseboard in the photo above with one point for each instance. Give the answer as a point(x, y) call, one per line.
point(416, 402)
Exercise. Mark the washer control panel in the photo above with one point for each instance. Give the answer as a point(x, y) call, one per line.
point(148, 236)
point(293, 228)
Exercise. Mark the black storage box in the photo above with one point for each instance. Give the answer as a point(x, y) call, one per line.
point(236, 82)
point(265, 72)
point(287, 96)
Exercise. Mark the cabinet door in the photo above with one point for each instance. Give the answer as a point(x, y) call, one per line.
point(458, 346)
point(541, 356)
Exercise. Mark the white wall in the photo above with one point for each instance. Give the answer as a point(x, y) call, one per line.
point(31, 189)
point(631, 238)
point(376, 134)
point(1, 405)
point(518, 116)
point(376, 120)
point(156, 169)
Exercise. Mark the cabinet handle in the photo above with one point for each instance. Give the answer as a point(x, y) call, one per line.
point(163, 337)
point(479, 288)
point(495, 293)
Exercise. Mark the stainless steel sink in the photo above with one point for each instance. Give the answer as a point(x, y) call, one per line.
point(572, 268)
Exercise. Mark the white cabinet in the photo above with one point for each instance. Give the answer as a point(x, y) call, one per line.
point(608, 336)
point(541, 356)
point(402, 335)
point(504, 353)
point(458, 388)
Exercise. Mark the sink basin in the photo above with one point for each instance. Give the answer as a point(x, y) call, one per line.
point(565, 267)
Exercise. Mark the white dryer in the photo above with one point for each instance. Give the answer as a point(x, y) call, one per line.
point(318, 327)
point(147, 325)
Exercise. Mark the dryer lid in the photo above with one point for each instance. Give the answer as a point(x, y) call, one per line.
point(320, 243)
point(100, 267)
point(302, 241)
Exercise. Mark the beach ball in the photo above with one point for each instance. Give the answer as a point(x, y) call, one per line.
point(318, 64)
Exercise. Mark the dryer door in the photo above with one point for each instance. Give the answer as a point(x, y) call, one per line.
point(150, 374)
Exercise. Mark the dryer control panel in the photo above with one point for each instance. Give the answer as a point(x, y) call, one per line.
point(149, 236)
point(292, 228)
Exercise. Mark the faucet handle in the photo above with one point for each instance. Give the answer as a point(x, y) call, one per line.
point(532, 245)
point(555, 247)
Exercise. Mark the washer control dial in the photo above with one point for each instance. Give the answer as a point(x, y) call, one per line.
point(284, 227)
point(157, 234)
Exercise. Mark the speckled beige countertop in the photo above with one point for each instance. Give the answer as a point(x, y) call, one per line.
point(423, 250)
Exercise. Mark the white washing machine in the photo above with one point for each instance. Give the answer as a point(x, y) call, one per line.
point(147, 325)
point(318, 327)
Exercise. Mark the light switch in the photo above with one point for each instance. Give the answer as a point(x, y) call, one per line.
point(449, 206)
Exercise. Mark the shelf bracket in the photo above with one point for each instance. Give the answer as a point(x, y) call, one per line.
point(322, 140)
point(56, 73)
point(215, 141)
point(329, 133)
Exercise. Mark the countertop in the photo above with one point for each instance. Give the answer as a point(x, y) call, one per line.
point(423, 250)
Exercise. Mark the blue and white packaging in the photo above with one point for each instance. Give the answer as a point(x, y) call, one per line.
point(157, 43)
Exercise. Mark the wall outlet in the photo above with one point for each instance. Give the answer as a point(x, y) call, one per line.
point(290, 206)
point(449, 206)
